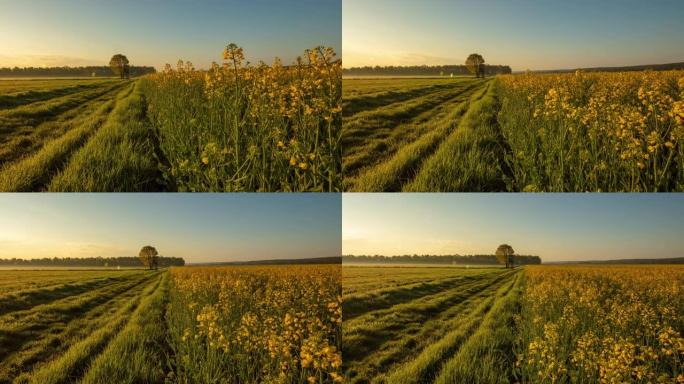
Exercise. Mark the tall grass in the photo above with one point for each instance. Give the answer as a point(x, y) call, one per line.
point(240, 127)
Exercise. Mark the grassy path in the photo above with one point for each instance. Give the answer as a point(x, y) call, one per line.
point(423, 138)
point(58, 341)
point(97, 139)
point(414, 333)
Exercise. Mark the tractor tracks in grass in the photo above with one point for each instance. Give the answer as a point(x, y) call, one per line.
point(411, 341)
point(54, 342)
point(390, 145)
point(36, 171)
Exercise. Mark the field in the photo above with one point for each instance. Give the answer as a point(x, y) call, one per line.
point(235, 127)
point(425, 324)
point(540, 324)
point(213, 324)
point(397, 132)
point(531, 132)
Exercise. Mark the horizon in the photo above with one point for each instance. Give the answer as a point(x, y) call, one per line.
point(200, 228)
point(555, 227)
point(525, 35)
point(44, 33)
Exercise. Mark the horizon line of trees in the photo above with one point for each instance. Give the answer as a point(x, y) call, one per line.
point(422, 70)
point(122, 261)
point(438, 259)
point(87, 71)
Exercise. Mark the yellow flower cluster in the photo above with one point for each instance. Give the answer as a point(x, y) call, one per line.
point(275, 324)
point(244, 127)
point(595, 131)
point(605, 324)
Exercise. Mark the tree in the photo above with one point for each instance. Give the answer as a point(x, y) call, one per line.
point(119, 65)
point(504, 255)
point(475, 64)
point(149, 256)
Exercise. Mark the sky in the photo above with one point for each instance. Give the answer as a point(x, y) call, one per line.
point(196, 227)
point(156, 32)
point(556, 227)
point(524, 34)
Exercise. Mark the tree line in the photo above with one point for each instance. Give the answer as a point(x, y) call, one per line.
point(89, 71)
point(423, 70)
point(438, 259)
point(123, 261)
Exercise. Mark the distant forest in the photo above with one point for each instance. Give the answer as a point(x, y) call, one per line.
point(92, 71)
point(672, 260)
point(90, 262)
point(422, 70)
point(315, 260)
point(433, 259)
point(653, 67)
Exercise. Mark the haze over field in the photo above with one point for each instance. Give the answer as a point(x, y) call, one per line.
point(197, 227)
point(556, 227)
point(44, 33)
point(526, 34)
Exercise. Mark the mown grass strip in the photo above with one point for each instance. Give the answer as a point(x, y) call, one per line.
point(402, 344)
point(426, 365)
point(71, 365)
point(118, 158)
point(391, 174)
point(378, 143)
point(471, 158)
point(33, 172)
point(487, 356)
point(366, 333)
point(356, 104)
point(39, 341)
point(20, 327)
point(358, 304)
point(29, 298)
point(32, 96)
point(137, 354)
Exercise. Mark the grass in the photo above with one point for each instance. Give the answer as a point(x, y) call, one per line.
point(408, 331)
point(50, 319)
point(471, 158)
point(392, 127)
point(119, 157)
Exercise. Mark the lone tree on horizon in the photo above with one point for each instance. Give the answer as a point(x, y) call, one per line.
point(119, 65)
point(475, 64)
point(149, 256)
point(504, 255)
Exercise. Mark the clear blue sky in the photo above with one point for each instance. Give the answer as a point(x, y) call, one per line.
point(155, 32)
point(557, 227)
point(197, 227)
point(525, 34)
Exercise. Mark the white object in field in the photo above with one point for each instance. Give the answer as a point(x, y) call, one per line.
point(118, 267)
point(452, 75)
